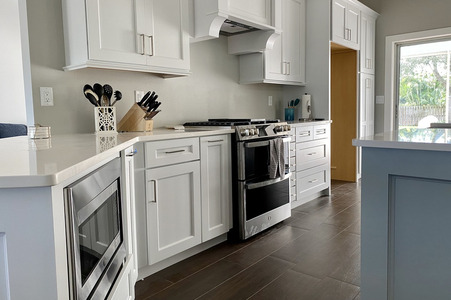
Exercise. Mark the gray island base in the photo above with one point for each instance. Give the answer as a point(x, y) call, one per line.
point(406, 215)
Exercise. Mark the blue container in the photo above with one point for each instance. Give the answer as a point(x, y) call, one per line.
point(289, 114)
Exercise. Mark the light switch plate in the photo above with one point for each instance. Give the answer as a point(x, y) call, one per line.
point(380, 99)
point(139, 95)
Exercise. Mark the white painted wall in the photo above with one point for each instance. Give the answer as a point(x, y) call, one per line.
point(14, 70)
point(212, 90)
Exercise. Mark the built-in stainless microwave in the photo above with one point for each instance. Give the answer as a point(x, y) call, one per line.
point(95, 235)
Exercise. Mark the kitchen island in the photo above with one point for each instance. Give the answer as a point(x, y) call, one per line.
point(33, 175)
point(406, 188)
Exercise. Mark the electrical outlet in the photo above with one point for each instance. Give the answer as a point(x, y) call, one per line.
point(139, 95)
point(46, 96)
point(269, 100)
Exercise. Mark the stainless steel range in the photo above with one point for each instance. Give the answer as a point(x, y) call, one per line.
point(261, 171)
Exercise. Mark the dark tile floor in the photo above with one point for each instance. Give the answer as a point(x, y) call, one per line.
point(313, 255)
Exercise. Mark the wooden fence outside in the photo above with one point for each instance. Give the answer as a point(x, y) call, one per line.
point(410, 115)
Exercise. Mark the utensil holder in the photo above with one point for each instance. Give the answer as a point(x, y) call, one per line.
point(105, 119)
point(134, 120)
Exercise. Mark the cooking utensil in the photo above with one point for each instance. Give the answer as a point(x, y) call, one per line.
point(117, 97)
point(90, 95)
point(291, 103)
point(296, 102)
point(107, 92)
point(98, 89)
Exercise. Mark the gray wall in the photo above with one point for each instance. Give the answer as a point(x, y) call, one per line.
point(212, 90)
point(403, 16)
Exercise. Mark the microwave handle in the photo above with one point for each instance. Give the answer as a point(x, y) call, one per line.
point(252, 186)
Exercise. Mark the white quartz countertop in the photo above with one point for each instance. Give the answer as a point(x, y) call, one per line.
point(26, 162)
point(409, 139)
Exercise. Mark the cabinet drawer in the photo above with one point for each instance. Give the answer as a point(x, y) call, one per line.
point(163, 153)
point(321, 132)
point(304, 133)
point(312, 181)
point(311, 154)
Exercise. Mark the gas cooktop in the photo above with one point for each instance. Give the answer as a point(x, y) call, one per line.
point(230, 122)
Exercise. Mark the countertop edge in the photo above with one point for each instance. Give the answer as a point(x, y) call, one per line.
point(52, 179)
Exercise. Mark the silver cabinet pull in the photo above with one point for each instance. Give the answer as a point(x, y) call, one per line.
point(151, 45)
point(312, 153)
point(216, 141)
point(175, 151)
point(154, 183)
point(305, 133)
point(143, 46)
point(313, 181)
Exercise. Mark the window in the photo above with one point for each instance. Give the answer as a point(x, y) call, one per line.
point(423, 84)
point(417, 79)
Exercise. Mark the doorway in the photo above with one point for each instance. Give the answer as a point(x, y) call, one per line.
point(343, 95)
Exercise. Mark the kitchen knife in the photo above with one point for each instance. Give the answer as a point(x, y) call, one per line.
point(140, 103)
point(148, 101)
point(151, 101)
point(154, 106)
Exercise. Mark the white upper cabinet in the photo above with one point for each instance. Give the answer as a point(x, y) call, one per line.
point(142, 35)
point(345, 24)
point(367, 43)
point(285, 62)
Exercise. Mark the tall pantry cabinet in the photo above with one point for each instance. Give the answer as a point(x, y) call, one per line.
point(353, 37)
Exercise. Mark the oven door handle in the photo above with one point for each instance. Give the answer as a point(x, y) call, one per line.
point(257, 185)
point(264, 143)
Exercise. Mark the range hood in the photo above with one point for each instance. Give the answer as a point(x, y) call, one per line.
point(246, 33)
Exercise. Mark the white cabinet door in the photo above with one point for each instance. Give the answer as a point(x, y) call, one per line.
point(367, 43)
point(366, 111)
point(140, 35)
point(173, 210)
point(345, 24)
point(169, 34)
point(115, 32)
point(294, 39)
point(285, 62)
point(216, 185)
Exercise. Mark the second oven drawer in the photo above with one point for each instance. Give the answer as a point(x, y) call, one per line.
point(312, 181)
point(311, 154)
point(163, 153)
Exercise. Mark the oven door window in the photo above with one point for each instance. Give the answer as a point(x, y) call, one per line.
point(97, 234)
point(256, 162)
point(257, 159)
point(261, 200)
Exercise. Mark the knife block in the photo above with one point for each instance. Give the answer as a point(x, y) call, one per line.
point(134, 120)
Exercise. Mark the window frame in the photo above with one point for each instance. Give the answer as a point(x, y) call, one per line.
point(392, 46)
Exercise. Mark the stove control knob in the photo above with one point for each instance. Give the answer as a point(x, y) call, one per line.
point(287, 127)
point(244, 132)
point(278, 129)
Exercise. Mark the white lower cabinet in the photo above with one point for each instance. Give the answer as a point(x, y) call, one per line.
point(173, 209)
point(312, 161)
point(216, 185)
point(187, 184)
